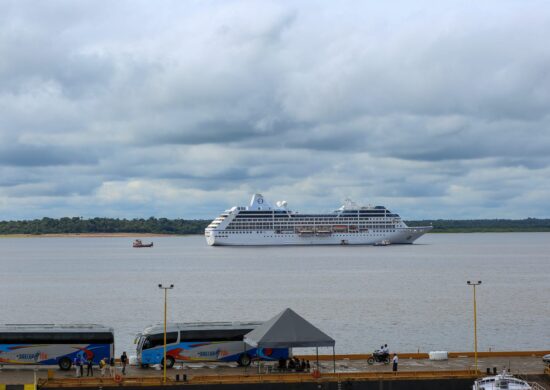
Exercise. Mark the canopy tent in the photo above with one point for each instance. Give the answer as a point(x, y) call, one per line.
point(289, 330)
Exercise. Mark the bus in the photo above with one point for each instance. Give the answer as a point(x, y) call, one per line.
point(202, 341)
point(50, 344)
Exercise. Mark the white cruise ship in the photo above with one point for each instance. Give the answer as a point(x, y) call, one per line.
point(262, 224)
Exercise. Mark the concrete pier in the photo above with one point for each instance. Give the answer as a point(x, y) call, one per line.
point(353, 372)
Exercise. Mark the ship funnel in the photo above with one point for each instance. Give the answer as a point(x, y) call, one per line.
point(258, 203)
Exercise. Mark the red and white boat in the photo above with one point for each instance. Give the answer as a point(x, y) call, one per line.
point(139, 244)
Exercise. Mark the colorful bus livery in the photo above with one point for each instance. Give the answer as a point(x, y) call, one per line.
point(49, 344)
point(202, 341)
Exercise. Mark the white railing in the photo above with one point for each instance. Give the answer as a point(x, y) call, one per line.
point(536, 386)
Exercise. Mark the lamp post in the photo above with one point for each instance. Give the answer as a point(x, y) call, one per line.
point(474, 284)
point(165, 288)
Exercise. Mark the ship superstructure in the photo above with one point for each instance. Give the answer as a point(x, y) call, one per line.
point(262, 224)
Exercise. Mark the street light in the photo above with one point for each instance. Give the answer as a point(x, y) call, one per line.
point(165, 288)
point(474, 284)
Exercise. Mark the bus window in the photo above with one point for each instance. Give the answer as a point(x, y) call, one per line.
point(155, 340)
point(213, 335)
point(56, 338)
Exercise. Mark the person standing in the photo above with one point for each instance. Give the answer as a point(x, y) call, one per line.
point(102, 365)
point(112, 370)
point(76, 369)
point(124, 362)
point(395, 361)
point(90, 366)
point(80, 365)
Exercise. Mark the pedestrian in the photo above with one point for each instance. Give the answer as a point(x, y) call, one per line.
point(76, 369)
point(112, 367)
point(291, 364)
point(124, 362)
point(282, 364)
point(308, 366)
point(80, 365)
point(90, 366)
point(395, 360)
point(102, 366)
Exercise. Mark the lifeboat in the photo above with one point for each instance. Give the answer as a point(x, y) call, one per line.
point(139, 244)
point(305, 232)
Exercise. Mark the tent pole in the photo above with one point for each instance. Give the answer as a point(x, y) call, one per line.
point(317, 353)
point(333, 359)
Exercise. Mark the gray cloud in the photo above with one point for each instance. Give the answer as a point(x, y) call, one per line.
point(182, 109)
point(43, 155)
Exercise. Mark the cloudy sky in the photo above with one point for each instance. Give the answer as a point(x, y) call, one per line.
point(181, 109)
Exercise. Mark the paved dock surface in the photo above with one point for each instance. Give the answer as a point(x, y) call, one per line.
point(525, 365)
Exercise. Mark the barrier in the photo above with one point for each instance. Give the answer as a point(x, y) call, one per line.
point(258, 379)
point(412, 355)
point(27, 386)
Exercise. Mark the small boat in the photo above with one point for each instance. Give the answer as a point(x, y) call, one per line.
point(139, 244)
point(382, 243)
point(501, 381)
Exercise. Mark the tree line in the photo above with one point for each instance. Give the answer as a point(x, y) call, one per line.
point(104, 225)
point(485, 225)
point(196, 226)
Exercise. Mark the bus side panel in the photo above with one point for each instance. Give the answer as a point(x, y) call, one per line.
point(270, 353)
point(50, 354)
point(228, 351)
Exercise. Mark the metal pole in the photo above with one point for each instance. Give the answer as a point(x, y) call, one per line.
point(165, 315)
point(165, 306)
point(334, 359)
point(474, 284)
point(475, 329)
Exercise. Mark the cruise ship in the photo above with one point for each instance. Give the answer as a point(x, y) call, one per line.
point(260, 223)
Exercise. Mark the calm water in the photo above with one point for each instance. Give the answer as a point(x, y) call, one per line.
point(411, 297)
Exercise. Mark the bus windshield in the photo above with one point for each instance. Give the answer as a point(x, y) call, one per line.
point(155, 340)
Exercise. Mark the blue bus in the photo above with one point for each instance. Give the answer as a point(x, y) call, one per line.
point(202, 341)
point(49, 344)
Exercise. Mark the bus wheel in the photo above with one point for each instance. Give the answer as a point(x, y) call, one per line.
point(65, 364)
point(169, 362)
point(244, 360)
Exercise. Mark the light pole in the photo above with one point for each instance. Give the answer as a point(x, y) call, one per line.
point(165, 288)
point(474, 284)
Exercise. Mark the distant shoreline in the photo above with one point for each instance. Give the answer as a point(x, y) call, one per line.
point(141, 235)
point(163, 227)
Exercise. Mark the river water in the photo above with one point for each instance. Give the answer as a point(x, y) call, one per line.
point(413, 297)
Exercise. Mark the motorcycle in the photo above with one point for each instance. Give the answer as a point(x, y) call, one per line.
point(379, 357)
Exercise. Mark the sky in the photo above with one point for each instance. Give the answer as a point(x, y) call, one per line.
point(182, 109)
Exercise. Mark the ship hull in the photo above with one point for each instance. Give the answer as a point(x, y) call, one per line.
point(400, 236)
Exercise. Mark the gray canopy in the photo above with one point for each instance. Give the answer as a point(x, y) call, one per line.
point(288, 330)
